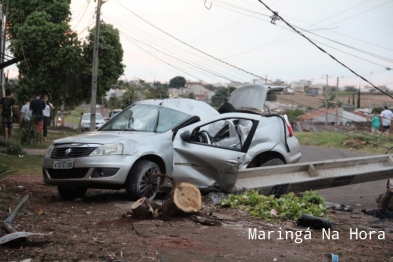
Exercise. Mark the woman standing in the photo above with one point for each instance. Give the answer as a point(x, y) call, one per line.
point(46, 111)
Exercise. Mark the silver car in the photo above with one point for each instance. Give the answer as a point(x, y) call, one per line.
point(183, 138)
point(85, 121)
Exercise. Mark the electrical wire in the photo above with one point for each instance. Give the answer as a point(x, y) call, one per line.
point(275, 13)
point(82, 15)
point(261, 77)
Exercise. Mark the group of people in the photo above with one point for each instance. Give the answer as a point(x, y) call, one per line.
point(386, 116)
point(36, 110)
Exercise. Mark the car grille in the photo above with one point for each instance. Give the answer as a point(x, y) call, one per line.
point(60, 152)
point(67, 173)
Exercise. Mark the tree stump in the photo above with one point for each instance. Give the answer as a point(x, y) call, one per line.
point(145, 208)
point(185, 198)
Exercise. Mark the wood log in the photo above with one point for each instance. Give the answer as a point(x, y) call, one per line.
point(184, 199)
point(145, 208)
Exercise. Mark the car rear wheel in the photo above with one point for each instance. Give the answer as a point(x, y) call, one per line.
point(142, 180)
point(273, 162)
point(71, 193)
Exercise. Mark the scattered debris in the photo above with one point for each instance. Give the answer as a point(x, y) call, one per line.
point(206, 221)
point(215, 197)
point(145, 208)
point(314, 222)
point(13, 233)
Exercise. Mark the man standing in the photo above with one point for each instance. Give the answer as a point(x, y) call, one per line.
point(37, 105)
point(25, 113)
point(7, 104)
point(375, 124)
point(386, 116)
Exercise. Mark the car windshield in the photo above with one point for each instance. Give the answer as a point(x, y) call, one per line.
point(87, 117)
point(149, 118)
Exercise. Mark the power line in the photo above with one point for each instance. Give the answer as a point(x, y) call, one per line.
point(275, 13)
point(189, 44)
point(82, 15)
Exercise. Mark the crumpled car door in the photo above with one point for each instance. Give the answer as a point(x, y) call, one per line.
point(203, 164)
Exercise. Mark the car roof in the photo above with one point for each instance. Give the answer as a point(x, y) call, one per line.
point(185, 105)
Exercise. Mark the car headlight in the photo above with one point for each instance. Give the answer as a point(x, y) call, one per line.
point(48, 152)
point(108, 149)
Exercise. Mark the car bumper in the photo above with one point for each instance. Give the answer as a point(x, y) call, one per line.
point(90, 171)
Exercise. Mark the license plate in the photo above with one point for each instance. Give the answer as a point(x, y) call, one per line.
point(63, 164)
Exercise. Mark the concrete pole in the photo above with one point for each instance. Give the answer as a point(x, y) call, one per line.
point(337, 106)
point(326, 102)
point(95, 68)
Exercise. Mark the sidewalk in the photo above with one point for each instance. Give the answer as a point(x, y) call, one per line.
point(33, 151)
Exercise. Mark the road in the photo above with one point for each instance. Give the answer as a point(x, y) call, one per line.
point(359, 194)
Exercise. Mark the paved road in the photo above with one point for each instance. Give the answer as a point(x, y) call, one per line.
point(363, 194)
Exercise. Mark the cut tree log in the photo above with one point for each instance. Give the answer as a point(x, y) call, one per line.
point(185, 198)
point(145, 208)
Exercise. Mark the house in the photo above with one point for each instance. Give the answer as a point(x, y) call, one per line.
point(317, 120)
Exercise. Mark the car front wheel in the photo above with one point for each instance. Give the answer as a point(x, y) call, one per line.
point(71, 193)
point(143, 181)
point(273, 162)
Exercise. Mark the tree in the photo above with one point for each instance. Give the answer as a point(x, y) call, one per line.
point(110, 56)
point(40, 29)
point(56, 62)
point(221, 96)
point(177, 82)
point(350, 89)
point(293, 114)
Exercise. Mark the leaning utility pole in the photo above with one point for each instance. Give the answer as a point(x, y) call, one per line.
point(337, 102)
point(3, 41)
point(326, 102)
point(95, 68)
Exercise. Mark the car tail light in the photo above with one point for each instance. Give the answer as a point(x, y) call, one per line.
point(291, 134)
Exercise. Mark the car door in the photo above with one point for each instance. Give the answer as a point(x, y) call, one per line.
point(208, 154)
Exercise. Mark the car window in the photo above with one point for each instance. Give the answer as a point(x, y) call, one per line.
point(226, 133)
point(87, 117)
point(150, 118)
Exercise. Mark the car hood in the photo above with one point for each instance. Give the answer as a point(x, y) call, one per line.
point(104, 137)
point(252, 96)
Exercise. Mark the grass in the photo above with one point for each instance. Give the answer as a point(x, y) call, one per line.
point(378, 144)
point(73, 118)
point(28, 164)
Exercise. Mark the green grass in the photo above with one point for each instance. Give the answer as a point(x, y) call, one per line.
point(28, 164)
point(73, 118)
point(378, 144)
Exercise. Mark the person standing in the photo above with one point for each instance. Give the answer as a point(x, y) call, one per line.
point(46, 112)
point(25, 113)
point(375, 124)
point(386, 116)
point(7, 104)
point(37, 106)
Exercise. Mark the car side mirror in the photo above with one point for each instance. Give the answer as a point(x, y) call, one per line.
point(186, 136)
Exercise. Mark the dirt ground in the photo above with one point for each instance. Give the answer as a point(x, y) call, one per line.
point(96, 229)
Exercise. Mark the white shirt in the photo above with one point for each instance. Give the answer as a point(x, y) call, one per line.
point(386, 117)
point(46, 111)
point(26, 111)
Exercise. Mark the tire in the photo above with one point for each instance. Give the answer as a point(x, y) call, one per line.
point(273, 162)
point(140, 181)
point(71, 193)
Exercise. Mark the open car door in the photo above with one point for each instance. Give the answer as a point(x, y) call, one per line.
point(209, 154)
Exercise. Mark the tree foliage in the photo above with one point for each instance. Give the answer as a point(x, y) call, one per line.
point(57, 63)
point(177, 82)
point(221, 96)
point(293, 114)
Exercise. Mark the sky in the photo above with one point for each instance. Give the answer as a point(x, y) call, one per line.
point(235, 40)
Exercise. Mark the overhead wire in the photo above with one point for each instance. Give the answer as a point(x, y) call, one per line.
point(275, 13)
point(193, 64)
point(261, 77)
point(82, 15)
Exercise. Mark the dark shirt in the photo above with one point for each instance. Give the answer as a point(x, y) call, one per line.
point(6, 103)
point(37, 106)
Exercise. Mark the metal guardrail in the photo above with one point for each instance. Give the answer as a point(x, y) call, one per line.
point(277, 180)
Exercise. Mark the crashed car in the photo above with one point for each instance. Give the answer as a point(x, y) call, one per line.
point(182, 138)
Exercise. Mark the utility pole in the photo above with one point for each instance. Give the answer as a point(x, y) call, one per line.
point(3, 40)
point(337, 106)
point(326, 102)
point(266, 80)
point(2, 92)
point(95, 68)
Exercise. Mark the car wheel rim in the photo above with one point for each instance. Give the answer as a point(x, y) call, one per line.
point(149, 183)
